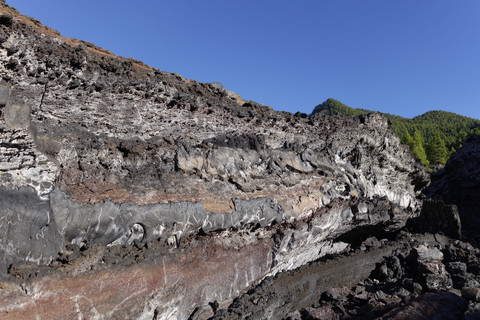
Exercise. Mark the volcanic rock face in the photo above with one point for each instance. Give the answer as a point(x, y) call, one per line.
point(413, 277)
point(99, 152)
point(458, 183)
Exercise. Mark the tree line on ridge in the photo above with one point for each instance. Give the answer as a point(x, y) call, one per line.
point(433, 136)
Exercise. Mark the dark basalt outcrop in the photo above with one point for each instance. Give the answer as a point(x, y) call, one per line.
point(412, 277)
point(436, 216)
point(458, 183)
point(128, 192)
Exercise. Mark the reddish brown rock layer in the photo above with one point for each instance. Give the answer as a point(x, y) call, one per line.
point(102, 152)
point(172, 288)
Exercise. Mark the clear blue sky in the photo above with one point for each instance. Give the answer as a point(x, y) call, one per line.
point(401, 57)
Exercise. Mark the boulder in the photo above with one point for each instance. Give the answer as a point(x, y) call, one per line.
point(322, 313)
point(437, 217)
point(430, 271)
point(441, 306)
point(472, 294)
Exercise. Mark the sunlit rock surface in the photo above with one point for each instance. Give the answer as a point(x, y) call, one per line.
point(126, 191)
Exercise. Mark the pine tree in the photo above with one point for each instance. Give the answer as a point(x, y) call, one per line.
point(437, 152)
point(461, 138)
point(453, 129)
point(407, 138)
point(418, 149)
point(452, 151)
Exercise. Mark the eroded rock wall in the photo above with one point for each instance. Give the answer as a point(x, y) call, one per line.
point(458, 183)
point(98, 150)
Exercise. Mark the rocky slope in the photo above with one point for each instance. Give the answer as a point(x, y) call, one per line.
point(413, 277)
point(129, 192)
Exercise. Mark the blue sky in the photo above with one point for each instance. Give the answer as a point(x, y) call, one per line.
point(401, 57)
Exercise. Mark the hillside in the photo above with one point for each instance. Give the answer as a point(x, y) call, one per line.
point(433, 136)
point(127, 192)
point(174, 193)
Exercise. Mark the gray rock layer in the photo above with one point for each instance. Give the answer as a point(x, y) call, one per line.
point(102, 150)
point(28, 230)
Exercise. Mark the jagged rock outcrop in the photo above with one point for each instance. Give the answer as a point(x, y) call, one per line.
point(394, 281)
point(458, 183)
point(201, 195)
point(437, 217)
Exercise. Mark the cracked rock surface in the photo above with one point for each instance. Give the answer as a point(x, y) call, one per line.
point(130, 192)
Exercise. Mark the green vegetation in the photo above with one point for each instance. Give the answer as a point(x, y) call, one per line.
point(433, 136)
point(332, 106)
